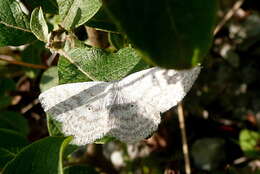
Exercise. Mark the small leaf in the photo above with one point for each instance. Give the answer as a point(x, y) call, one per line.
point(76, 12)
point(49, 79)
point(69, 73)
point(41, 157)
point(14, 121)
point(38, 25)
point(248, 141)
point(14, 24)
point(100, 65)
point(168, 33)
point(81, 169)
point(11, 143)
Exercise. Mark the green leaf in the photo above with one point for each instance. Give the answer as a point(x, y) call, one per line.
point(15, 121)
point(14, 24)
point(69, 73)
point(101, 21)
point(38, 25)
point(11, 143)
point(168, 33)
point(80, 169)
point(54, 127)
point(41, 157)
point(76, 12)
point(48, 6)
point(117, 40)
point(100, 65)
point(248, 141)
point(33, 54)
point(6, 85)
point(49, 78)
point(5, 101)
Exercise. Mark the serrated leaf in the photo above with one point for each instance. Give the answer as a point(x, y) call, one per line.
point(11, 143)
point(80, 169)
point(168, 33)
point(100, 65)
point(41, 157)
point(14, 121)
point(76, 12)
point(48, 6)
point(49, 79)
point(14, 24)
point(248, 141)
point(69, 73)
point(38, 25)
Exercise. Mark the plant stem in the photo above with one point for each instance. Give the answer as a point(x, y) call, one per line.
point(184, 139)
point(228, 16)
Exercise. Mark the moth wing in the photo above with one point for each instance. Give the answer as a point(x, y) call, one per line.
point(160, 88)
point(80, 107)
point(131, 121)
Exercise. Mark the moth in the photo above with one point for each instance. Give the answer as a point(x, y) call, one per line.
point(129, 109)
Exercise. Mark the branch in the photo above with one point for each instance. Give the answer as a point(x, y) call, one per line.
point(17, 62)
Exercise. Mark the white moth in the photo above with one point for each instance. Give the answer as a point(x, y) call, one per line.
point(128, 109)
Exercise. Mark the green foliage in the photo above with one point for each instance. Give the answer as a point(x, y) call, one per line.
point(41, 157)
point(69, 73)
point(104, 66)
point(76, 12)
point(11, 143)
point(49, 79)
point(33, 54)
point(48, 6)
point(38, 25)
point(168, 33)
point(14, 24)
point(171, 34)
point(102, 21)
point(249, 141)
point(14, 121)
point(54, 127)
point(6, 85)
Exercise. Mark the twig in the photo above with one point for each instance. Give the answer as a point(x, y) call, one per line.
point(184, 139)
point(228, 16)
point(17, 62)
point(30, 106)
